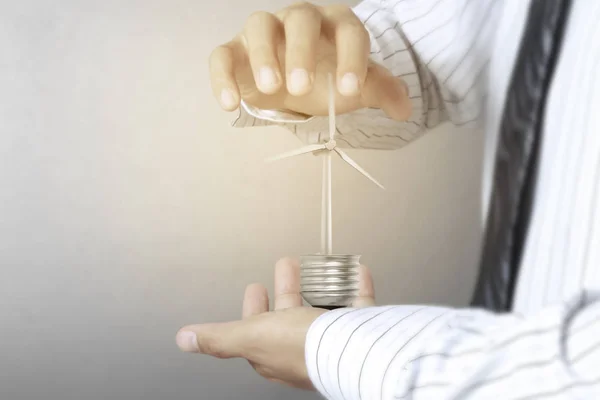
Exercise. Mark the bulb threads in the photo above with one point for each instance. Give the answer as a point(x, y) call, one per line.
point(329, 281)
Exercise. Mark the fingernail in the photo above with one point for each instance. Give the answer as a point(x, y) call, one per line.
point(299, 81)
point(187, 341)
point(349, 84)
point(267, 78)
point(227, 99)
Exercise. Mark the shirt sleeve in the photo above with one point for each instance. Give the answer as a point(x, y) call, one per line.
point(414, 353)
point(433, 45)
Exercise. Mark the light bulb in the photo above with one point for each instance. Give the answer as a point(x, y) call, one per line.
point(329, 281)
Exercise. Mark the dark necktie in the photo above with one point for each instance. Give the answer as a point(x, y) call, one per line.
point(518, 153)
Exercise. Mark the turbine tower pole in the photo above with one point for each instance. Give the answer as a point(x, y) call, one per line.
point(326, 217)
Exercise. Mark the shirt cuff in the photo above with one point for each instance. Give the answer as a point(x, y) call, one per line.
point(582, 348)
point(362, 353)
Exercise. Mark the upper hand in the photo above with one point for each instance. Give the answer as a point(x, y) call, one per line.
point(281, 61)
point(273, 342)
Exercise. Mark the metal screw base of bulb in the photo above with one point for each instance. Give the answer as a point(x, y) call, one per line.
point(329, 280)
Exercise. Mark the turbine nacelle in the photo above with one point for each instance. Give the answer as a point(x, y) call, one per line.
point(330, 146)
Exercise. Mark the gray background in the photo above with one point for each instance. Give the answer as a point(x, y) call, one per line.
point(129, 207)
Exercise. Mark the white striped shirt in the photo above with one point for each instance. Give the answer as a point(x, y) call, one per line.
point(457, 57)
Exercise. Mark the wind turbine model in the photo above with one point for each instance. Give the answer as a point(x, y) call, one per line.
point(328, 280)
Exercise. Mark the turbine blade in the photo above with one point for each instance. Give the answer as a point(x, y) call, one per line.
point(303, 150)
point(353, 164)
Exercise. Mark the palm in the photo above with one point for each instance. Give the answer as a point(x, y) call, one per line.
point(287, 301)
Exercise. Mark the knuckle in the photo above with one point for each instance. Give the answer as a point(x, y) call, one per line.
point(300, 5)
point(217, 54)
point(303, 4)
point(299, 8)
point(258, 17)
point(301, 14)
point(339, 9)
point(352, 27)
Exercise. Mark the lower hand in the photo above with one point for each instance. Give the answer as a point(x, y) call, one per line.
point(272, 341)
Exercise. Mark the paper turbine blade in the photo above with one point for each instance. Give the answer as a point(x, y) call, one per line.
point(303, 150)
point(353, 163)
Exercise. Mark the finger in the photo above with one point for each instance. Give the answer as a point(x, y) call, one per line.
point(223, 340)
point(302, 25)
point(366, 289)
point(256, 300)
point(353, 45)
point(387, 92)
point(262, 34)
point(222, 77)
point(287, 284)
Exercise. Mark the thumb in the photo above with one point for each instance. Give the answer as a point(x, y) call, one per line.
point(220, 340)
point(384, 91)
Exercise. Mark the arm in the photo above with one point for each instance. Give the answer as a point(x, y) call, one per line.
point(412, 352)
point(438, 47)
